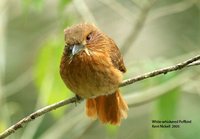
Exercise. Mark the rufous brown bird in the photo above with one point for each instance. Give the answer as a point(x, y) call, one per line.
point(92, 68)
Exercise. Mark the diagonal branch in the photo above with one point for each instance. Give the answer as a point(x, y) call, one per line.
point(162, 71)
point(188, 63)
point(135, 32)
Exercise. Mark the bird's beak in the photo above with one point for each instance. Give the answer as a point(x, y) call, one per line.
point(78, 48)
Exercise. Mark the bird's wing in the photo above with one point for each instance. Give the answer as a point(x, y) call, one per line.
point(116, 57)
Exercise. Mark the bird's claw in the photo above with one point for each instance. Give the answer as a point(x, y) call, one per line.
point(78, 99)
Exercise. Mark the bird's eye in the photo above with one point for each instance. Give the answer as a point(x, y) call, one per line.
point(70, 49)
point(89, 37)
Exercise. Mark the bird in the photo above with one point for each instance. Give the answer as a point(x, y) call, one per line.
point(92, 67)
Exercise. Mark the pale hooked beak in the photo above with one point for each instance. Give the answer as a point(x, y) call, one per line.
point(78, 48)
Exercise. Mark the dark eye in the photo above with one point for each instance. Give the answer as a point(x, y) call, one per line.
point(70, 49)
point(89, 37)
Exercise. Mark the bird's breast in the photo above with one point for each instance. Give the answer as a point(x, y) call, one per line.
point(90, 76)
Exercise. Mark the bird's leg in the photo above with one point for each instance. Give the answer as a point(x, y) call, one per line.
point(78, 99)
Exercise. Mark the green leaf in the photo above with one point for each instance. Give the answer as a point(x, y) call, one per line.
point(48, 80)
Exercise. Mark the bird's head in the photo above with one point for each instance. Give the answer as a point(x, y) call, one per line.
point(83, 38)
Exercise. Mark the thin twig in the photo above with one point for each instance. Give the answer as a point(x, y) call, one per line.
point(170, 9)
point(137, 28)
point(19, 83)
point(84, 11)
point(49, 108)
point(160, 71)
point(194, 63)
point(123, 12)
point(34, 115)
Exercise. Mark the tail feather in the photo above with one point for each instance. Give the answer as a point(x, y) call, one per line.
point(91, 108)
point(123, 106)
point(109, 109)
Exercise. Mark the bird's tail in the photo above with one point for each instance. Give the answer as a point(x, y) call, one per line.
point(109, 108)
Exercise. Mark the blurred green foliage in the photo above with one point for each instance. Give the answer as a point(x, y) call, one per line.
point(63, 3)
point(47, 72)
point(36, 4)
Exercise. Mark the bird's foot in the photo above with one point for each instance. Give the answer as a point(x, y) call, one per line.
point(78, 99)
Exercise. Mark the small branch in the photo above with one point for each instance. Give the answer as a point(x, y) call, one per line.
point(137, 27)
point(191, 62)
point(123, 12)
point(179, 66)
point(170, 9)
point(36, 114)
point(20, 82)
point(84, 11)
point(194, 63)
